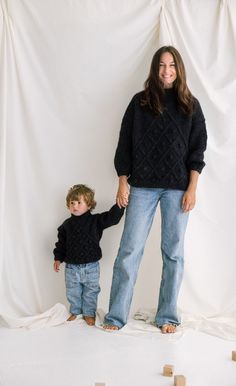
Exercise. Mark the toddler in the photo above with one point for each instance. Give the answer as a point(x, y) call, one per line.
point(78, 246)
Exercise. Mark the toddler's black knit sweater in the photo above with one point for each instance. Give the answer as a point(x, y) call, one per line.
point(159, 150)
point(79, 236)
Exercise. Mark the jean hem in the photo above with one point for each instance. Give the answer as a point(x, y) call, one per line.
point(160, 324)
point(107, 323)
point(92, 313)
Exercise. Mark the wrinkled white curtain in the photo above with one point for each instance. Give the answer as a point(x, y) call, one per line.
point(67, 72)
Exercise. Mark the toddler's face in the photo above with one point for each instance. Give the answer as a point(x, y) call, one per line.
point(77, 208)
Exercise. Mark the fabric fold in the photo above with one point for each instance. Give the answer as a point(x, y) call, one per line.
point(52, 317)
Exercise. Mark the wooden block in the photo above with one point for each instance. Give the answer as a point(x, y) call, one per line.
point(234, 355)
point(100, 384)
point(168, 370)
point(179, 380)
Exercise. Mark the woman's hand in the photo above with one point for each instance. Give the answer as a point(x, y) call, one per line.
point(122, 196)
point(189, 200)
point(189, 197)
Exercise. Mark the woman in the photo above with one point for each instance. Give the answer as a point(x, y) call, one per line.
point(160, 155)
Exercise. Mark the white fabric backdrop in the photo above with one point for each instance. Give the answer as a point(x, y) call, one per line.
point(68, 70)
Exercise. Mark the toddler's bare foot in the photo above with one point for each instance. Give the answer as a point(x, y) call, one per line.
point(90, 320)
point(71, 317)
point(168, 328)
point(110, 327)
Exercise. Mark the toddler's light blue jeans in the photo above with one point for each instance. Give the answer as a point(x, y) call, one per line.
point(138, 221)
point(82, 287)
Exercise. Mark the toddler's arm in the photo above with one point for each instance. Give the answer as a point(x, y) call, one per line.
point(60, 248)
point(111, 217)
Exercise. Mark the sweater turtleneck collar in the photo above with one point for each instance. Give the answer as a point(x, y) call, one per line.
point(169, 91)
point(81, 217)
point(170, 97)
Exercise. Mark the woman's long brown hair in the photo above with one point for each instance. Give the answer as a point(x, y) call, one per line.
point(153, 87)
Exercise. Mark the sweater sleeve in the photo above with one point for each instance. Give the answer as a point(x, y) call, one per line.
point(60, 246)
point(197, 140)
point(123, 155)
point(111, 217)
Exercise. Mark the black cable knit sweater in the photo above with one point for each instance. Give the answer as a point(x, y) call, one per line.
point(158, 151)
point(79, 236)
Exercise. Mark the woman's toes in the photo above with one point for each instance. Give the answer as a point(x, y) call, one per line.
point(110, 327)
point(168, 328)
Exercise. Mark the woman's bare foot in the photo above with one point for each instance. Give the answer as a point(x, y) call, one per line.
point(110, 327)
point(90, 320)
point(71, 317)
point(168, 328)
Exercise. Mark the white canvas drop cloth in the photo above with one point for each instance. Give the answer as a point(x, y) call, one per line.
point(68, 69)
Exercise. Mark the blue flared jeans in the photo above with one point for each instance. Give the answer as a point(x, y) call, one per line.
point(139, 217)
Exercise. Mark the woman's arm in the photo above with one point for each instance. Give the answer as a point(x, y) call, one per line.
point(123, 154)
point(195, 162)
point(197, 140)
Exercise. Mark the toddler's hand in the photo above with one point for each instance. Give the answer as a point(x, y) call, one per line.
point(56, 265)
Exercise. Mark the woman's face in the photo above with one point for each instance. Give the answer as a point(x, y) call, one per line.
point(167, 70)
